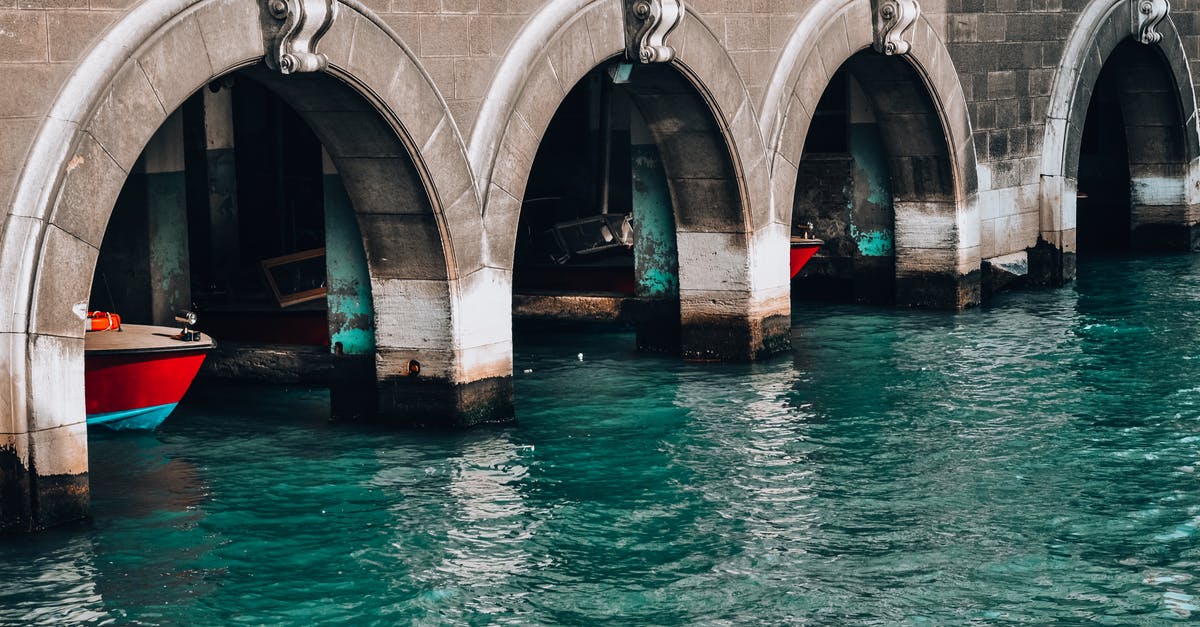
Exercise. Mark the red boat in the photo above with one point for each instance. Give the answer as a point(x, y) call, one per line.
point(803, 249)
point(135, 375)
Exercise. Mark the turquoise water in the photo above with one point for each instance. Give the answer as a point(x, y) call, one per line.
point(1037, 459)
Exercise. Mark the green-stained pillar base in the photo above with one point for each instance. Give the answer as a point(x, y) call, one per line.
point(351, 311)
point(655, 251)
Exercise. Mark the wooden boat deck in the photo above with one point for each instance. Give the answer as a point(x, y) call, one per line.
point(140, 338)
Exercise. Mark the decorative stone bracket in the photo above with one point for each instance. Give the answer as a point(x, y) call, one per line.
point(894, 21)
point(305, 23)
point(647, 24)
point(1147, 15)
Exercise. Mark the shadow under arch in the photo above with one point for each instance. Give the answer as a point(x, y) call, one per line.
point(1165, 182)
point(122, 91)
point(935, 175)
point(732, 259)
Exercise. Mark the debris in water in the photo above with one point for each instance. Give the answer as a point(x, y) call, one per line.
point(580, 356)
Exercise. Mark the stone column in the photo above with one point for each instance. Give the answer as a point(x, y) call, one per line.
point(1162, 216)
point(224, 245)
point(655, 251)
point(1052, 260)
point(351, 311)
point(434, 371)
point(734, 312)
point(937, 259)
point(166, 222)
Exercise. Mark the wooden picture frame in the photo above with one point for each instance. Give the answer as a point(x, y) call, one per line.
point(297, 288)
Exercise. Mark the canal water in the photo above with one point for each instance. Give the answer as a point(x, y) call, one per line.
point(1034, 460)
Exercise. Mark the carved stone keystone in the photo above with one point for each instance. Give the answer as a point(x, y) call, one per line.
point(1147, 15)
point(305, 23)
point(647, 24)
point(894, 21)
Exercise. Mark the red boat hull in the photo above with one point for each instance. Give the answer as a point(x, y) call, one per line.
point(802, 253)
point(124, 382)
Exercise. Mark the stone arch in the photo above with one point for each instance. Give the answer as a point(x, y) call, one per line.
point(733, 279)
point(1100, 30)
point(937, 242)
point(119, 95)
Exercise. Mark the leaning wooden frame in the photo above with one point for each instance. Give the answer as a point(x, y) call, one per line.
point(287, 297)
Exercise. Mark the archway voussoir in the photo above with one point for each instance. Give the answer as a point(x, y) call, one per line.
point(447, 164)
point(860, 33)
point(606, 29)
point(571, 55)
point(512, 169)
point(1112, 31)
point(811, 84)
point(414, 102)
point(85, 188)
point(713, 69)
point(374, 56)
point(174, 60)
point(797, 118)
point(540, 99)
point(127, 116)
point(834, 46)
point(754, 165)
point(237, 25)
point(465, 224)
point(501, 220)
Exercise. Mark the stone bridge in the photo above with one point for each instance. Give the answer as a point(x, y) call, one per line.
point(943, 152)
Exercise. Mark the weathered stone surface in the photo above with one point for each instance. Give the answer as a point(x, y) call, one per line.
point(63, 285)
point(179, 65)
point(127, 116)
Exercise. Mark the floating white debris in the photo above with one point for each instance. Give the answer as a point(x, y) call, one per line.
point(580, 356)
point(528, 371)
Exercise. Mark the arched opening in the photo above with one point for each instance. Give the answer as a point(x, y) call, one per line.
point(631, 163)
point(1132, 161)
point(269, 205)
point(875, 182)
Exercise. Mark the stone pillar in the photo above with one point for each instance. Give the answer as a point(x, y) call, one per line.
point(1162, 217)
point(871, 224)
point(351, 311)
point(937, 260)
point(655, 250)
point(43, 433)
point(1052, 260)
point(441, 371)
point(166, 221)
point(224, 246)
point(734, 313)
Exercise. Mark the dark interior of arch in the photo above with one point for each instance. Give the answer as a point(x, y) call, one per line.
point(241, 228)
point(875, 140)
point(627, 140)
point(1134, 128)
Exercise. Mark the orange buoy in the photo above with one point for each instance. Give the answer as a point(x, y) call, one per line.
point(103, 321)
